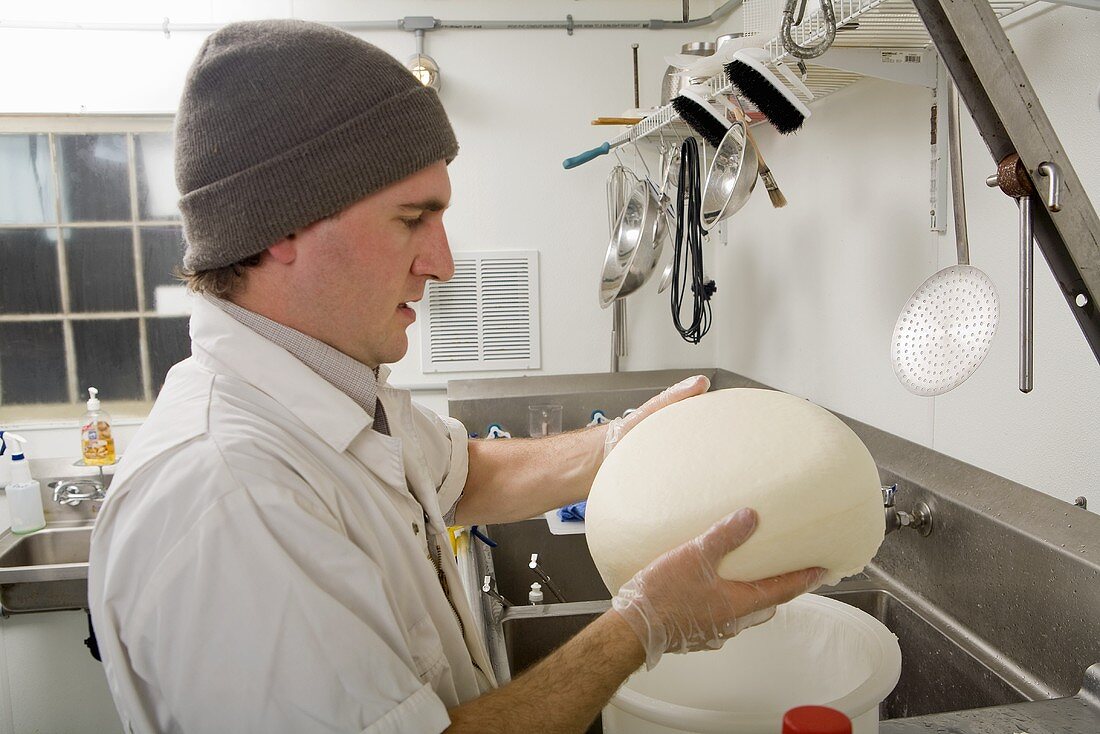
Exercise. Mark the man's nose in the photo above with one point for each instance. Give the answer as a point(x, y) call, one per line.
point(435, 261)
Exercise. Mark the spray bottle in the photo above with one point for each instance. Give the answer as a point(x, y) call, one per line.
point(5, 463)
point(24, 493)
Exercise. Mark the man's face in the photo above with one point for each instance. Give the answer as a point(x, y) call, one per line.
point(358, 272)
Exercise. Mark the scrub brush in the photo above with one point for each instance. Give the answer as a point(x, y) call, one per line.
point(694, 109)
point(760, 86)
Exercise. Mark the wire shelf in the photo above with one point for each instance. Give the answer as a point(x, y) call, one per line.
point(879, 24)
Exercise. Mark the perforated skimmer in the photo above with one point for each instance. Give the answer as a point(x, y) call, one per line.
point(946, 327)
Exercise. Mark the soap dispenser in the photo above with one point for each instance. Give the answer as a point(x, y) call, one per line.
point(24, 493)
point(97, 444)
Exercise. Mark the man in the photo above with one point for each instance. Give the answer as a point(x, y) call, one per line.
point(272, 554)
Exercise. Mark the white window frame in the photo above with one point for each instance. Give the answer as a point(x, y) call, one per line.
point(52, 125)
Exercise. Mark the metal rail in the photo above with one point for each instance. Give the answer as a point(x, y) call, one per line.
point(1010, 118)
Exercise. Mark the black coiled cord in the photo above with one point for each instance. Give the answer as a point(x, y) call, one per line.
point(687, 257)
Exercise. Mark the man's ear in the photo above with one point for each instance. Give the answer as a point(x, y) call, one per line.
point(285, 251)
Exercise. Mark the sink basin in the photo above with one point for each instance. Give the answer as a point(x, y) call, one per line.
point(938, 673)
point(46, 570)
point(943, 668)
point(529, 639)
point(48, 547)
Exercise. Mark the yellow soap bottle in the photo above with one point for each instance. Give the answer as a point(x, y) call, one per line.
point(96, 442)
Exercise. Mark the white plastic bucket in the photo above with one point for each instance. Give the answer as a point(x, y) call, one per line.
point(814, 651)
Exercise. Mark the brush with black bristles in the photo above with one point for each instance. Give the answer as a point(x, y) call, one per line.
point(693, 108)
point(755, 82)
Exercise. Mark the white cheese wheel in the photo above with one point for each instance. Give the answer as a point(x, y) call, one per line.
point(810, 479)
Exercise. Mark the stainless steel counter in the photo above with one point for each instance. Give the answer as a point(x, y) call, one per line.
point(1009, 576)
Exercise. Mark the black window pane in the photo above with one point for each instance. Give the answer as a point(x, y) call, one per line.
point(169, 343)
point(156, 183)
point(28, 271)
point(26, 180)
point(101, 269)
point(95, 178)
point(161, 254)
point(32, 363)
point(108, 357)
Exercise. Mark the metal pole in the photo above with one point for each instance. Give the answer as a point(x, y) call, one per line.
point(1027, 295)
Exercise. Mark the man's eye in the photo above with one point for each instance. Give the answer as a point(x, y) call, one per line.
point(413, 223)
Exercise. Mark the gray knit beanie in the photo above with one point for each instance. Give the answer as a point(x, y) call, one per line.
point(283, 123)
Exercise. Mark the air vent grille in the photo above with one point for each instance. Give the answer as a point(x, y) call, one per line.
point(486, 316)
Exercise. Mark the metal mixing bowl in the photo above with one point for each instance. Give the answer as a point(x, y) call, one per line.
point(732, 176)
point(635, 245)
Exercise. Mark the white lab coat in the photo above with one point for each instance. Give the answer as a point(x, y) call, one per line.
point(260, 564)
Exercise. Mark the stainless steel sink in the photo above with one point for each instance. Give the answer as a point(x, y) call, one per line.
point(939, 673)
point(48, 570)
point(44, 571)
point(49, 548)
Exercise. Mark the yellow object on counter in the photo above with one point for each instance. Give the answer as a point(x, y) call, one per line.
point(97, 444)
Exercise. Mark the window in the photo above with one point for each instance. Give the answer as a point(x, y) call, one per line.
point(89, 239)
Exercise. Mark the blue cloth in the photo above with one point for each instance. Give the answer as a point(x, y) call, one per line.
point(572, 513)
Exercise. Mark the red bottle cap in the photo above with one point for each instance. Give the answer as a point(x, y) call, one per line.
point(816, 720)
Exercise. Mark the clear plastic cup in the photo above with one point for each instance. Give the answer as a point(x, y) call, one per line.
point(543, 420)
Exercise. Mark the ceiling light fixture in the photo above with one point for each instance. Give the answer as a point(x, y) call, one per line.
point(423, 66)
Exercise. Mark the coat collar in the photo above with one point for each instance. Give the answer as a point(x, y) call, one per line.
point(222, 344)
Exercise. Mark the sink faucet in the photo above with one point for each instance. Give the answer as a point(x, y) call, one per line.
point(546, 580)
point(75, 491)
point(920, 519)
point(487, 587)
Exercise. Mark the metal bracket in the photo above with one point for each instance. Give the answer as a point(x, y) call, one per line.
point(569, 25)
point(418, 23)
point(1011, 119)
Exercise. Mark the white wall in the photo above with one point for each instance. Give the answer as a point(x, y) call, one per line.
point(816, 287)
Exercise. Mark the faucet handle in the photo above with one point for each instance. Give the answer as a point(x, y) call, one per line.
point(888, 495)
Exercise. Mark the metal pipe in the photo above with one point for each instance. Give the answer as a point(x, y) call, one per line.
point(166, 27)
point(637, 99)
point(1027, 295)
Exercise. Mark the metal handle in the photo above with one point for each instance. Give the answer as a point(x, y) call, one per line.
point(1051, 170)
point(958, 199)
point(888, 495)
point(1027, 295)
point(586, 156)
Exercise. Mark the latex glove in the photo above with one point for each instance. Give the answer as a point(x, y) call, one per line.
point(679, 603)
point(619, 427)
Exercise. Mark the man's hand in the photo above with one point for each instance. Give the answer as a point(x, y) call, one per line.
point(679, 603)
point(619, 427)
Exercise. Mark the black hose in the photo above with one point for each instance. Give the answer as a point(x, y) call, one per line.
point(687, 258)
